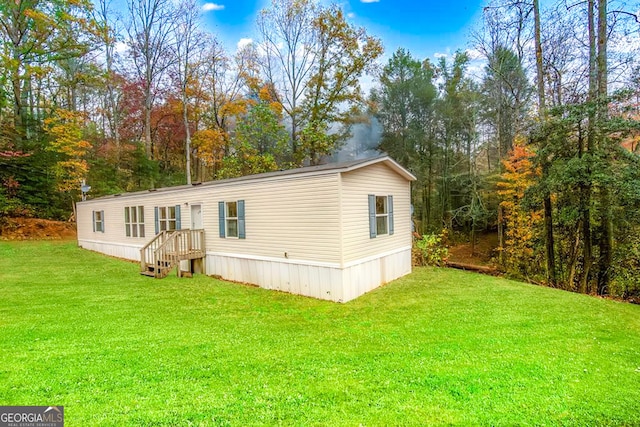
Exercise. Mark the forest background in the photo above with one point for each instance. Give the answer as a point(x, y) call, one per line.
point(541, 148)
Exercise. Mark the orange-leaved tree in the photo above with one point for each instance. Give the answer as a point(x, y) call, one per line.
point(523, 224)
point(210, 147)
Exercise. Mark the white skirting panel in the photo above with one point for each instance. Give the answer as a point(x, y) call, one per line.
point(328, 282)
point(363, 277)
point(113, 249)
point(300, 279)
point(323, 282)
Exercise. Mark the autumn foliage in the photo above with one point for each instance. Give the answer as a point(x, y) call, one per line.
point(522, 224)
point(65, 130)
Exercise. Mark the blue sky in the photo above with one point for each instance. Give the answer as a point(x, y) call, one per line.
point(426, 28)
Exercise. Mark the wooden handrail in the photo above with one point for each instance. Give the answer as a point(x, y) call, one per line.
point(147, 251)
point(167, 249)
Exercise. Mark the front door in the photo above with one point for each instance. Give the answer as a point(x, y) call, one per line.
point(196, 217)
point(197, 265)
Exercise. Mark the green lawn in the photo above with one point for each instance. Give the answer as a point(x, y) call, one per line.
point(439, 347)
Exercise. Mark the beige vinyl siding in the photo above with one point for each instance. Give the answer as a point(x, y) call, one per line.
point(306, 233)
point(114, 230)
point(113, 241)
point(297, 216)
point(84, 221)
point(380, 180)
point(114, 219)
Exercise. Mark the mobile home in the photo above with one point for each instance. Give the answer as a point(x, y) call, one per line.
point(333, 231)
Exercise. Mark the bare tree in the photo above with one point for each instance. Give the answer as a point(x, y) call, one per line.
point(222, 84)
point(287, 36)
point(108, 35)
point(150, 30)
point(227, 80)
point(506, 25)
point(563, 50)
point(189, 45)
point(502, 40)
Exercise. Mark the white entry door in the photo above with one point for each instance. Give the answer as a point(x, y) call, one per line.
point(196, 217)
point(197, 265)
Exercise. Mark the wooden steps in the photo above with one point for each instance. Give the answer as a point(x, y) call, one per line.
point(166, 250)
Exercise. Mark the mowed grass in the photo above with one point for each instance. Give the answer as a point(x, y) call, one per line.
point(439, 347)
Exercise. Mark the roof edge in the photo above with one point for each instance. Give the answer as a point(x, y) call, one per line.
point(399, 169)
point(328, 168)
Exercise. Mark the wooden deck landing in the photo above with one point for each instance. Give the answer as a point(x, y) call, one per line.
point(168, 248)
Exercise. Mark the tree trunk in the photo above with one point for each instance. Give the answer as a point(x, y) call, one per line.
point(585, 203)
point(548, 208)
point(147, 127)
point(17, 103)
point(429, 185)
point(294, 133)
point(539, 68)
point(473, 237)
point(426, 194)
point(585, 199)
point(574, 260)
point(18, 119)
point(606, 220)
point(606, 242)
point(187, 144)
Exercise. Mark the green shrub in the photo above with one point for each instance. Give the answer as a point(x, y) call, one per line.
point(13, 207)
point(626, 270)
point(430, 250)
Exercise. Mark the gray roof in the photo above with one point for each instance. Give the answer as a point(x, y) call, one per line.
point(307, 170)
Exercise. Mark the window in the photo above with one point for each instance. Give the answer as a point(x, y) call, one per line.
point(98, 221)
point(134, 221)
point(167, 218)
point(380, 215)
point(231, 219)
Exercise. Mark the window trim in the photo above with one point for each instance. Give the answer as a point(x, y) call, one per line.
point(98, 224)
point(382, 215)
point(228, 219)
point(374, 215)
point(224, 219)
point(164, 224)
point(130, 225)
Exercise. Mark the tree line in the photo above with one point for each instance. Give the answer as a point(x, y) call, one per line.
point(149, 98)
point(542, 148)
point(530, 133)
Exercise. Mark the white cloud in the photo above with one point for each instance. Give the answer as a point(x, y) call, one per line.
point(243, 42)
point(625, 45)
point(474, 54)
point(439, 55)
point(351, 15)
point(121, 47)
point(212, 6)
point(476, 70)
point(369, 1)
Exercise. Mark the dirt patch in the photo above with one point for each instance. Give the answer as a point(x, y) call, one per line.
point(481, 254)
point(36, 229)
